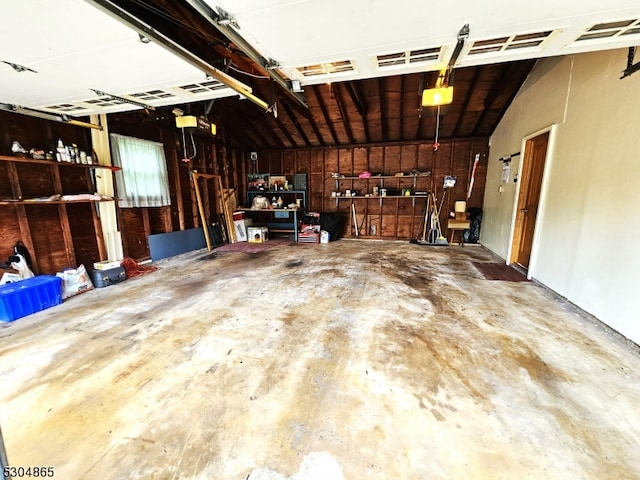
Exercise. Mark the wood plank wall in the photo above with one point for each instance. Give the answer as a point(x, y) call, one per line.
point(391, 218)
point(210, 155)
point(42, 227)
point(70, 235)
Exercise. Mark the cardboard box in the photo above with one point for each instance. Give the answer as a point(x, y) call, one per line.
point(106, 265)
point(241, 227)
point(258, 234)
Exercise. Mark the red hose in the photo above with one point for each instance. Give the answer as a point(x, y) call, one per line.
point(134, 269)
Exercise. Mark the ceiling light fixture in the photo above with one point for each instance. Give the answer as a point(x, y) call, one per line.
point(442, 92)
point(200, 123)
point(432, 97)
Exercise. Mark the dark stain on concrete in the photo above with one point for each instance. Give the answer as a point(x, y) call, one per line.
point(208, 256)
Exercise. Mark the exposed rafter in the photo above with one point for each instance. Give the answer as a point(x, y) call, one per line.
point(225, 24)
point(353, 89)
point(325, 113)
point(383, 109)
point(161, 39)
point(296, 123)
point(343, 112)
point(467, 100)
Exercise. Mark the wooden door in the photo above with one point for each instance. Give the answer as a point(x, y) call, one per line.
point(535, 153)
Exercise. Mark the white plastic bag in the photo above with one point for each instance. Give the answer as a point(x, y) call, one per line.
point(75, 281)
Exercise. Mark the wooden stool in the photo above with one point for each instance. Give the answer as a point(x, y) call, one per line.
point(458, 226)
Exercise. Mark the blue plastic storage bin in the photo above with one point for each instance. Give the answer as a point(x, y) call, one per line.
point(25, 297)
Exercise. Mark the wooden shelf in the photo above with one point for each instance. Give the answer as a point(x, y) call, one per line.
point(74, 240)
point(52, 202)
point(380, 196)
point(374, 177)
point(6, 158)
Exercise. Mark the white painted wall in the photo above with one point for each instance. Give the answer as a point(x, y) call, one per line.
point(588, 235)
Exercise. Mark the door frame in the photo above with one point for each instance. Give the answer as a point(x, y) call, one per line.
point(542, 201)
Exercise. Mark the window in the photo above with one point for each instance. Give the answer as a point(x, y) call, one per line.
point(142, 182)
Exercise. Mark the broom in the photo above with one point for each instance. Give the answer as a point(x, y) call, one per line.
point(423, 240)
point(439, 239)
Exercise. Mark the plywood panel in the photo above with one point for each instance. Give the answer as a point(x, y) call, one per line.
point(398, 218)
point(265, 160)
point(404, 227)
point(35, 180)
point(10, 231)
point(408, 158)
point(304, 162)
point(288, 163)
point(315, 162)
point(388, 226)
point(316, 192)
point(331, 161)
point(134, 233)
point(360, 160)
point(392, 155)
point(159, 218)
point(5, 185)
point(345, 161)
point(48, 238)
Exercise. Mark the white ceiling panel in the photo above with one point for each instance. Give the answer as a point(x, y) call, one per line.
point(74, 48)
point(310, 32)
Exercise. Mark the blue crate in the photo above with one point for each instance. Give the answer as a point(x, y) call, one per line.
point(25, 297)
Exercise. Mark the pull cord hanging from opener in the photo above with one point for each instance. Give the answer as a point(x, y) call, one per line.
point(435, 142)
point(186, 159)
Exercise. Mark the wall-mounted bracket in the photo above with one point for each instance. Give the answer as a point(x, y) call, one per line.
point(507, 158)
point(631, 67)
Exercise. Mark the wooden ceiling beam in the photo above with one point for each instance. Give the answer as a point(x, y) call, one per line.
point(402, 106)
point(284, 130)
point(296, 123)
point(314, 127)
point(421, 86)
point(384, 124)
point(316, 130)
point(467, 100)
point(169, 43)
point(271, 118)
point(489, 99)
point(213, 18)
point(343, 111)
point(353, 89)
point(518, 77)
point(325, 113)
point(254, 131)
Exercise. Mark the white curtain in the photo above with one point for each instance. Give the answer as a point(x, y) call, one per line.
point(142, 182)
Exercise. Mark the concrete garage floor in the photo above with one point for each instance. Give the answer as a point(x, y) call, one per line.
point(354, 360)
